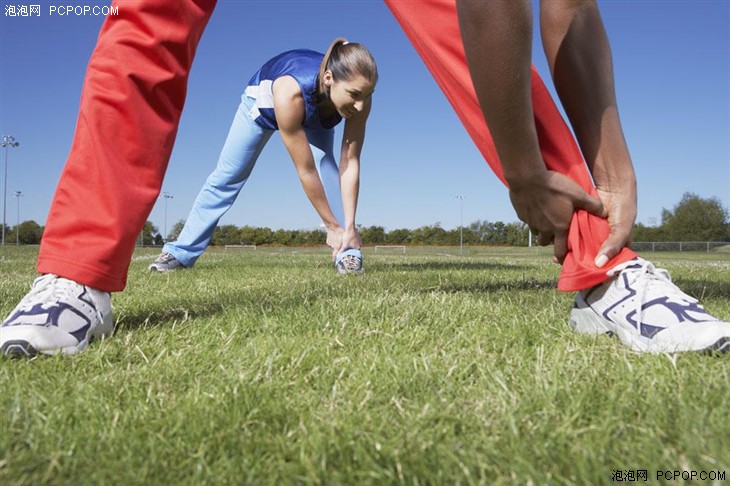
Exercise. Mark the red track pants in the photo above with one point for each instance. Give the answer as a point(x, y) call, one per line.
point(433, 28)
point(131, 103)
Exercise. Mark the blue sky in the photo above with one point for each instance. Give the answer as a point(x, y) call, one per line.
point(671, 59)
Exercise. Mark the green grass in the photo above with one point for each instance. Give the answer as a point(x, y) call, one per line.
point(265, 367)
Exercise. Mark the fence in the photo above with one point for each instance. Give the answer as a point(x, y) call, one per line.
point(395, 248)
point(240, 247)
point(706, 246)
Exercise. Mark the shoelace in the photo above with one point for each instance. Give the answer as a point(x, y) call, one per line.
point(351, 262)
point(642, 274)
point(164, 258)
point(47, 290)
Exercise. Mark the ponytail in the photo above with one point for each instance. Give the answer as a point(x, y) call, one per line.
point(326, 59)
point(346, 60)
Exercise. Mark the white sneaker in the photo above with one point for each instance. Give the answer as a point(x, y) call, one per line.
point(349, 261)
point(57, 316)
point(165, 263)
point(648, 312)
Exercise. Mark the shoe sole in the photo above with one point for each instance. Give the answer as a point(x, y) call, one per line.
point(18, 349)
point(153, 268)
point(585, 320)
point(722, 346)
point(23, 349)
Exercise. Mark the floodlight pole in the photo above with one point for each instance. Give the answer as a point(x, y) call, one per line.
point(165, 196)
point(17, 195)
point(461, 223)
point(8, 141)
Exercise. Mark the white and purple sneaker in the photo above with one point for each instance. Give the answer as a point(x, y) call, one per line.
point(57, 316)
point(648, 312)
point(349, 261)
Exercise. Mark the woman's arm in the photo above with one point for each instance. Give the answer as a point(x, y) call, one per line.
point(289, 109)
point(352, 142)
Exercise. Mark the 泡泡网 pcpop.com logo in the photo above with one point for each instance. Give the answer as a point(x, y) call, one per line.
point(691, 475)
point(16, 10)
point(83, 10)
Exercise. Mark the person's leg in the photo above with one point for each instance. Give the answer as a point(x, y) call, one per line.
point(133, 95)
point(322, 144)
point(242, 148)
point(433, 28)
point(628, 297)
point(131, 103)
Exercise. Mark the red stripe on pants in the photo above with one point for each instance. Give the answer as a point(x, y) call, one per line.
point(433, 29)
point(133, 95)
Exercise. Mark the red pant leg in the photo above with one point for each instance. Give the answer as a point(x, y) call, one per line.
point(131, 103)
point(433, 28)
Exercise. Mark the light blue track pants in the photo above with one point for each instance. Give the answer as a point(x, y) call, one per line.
point(242, 148)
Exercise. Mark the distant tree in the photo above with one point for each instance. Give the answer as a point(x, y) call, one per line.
point(228, 234)
point(147, 236)
point(649, 233)
point(497, 234)
point(517, 234)
point(372, 235)
point(429, 235)
point(176, 230)
point(399, 236)
point(696, 219)
point(158, 240)
point(8, 231)
point(30, 233)
point(453, 237)
point(479, 231)
point(282, 237)
point(264, 236)
point(256, 236)
point(312, 237)
point(471, 237)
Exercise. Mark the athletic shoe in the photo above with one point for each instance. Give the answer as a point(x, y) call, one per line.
point(165, 263)
point(349, 261)
point(648, 312)
point(57, 316)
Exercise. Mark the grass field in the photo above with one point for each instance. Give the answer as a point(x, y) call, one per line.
point(264, 367)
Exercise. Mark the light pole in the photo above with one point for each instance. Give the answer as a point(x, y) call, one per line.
point(461, 223)
point(8, 141)
point(165, 196)
point(17, 195)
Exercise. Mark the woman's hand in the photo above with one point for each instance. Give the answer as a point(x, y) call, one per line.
point(350, 239)
point(334, 239)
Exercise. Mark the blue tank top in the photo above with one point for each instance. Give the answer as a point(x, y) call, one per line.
point(303, 66)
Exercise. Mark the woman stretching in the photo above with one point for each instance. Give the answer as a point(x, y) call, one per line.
point(304, 95)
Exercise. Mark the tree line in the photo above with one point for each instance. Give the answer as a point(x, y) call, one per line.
point(26, 233)
point(692, 219)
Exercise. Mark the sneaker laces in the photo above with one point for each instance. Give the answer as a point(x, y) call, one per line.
point(47, 290)
point(164, 258)
point(641, 274)
point(351, 262)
